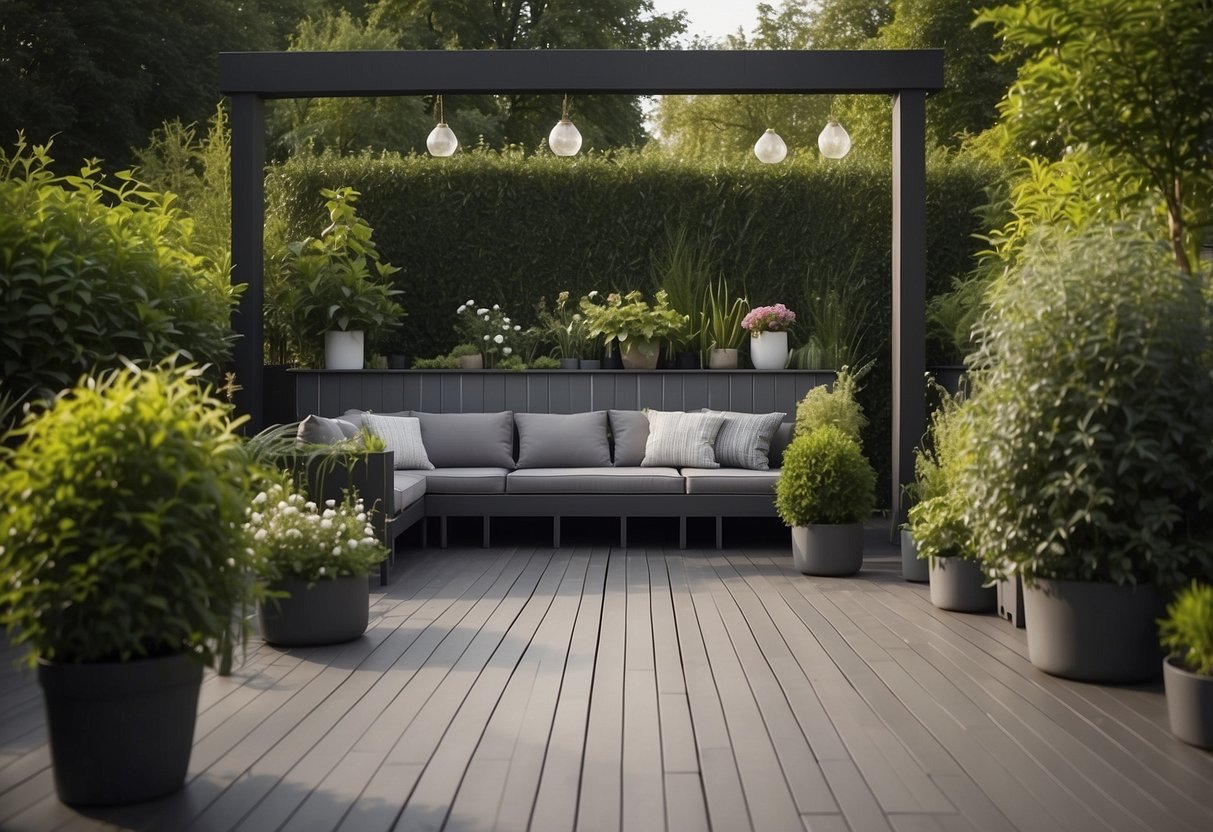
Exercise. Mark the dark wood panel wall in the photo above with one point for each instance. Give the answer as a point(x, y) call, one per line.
point(332, 392)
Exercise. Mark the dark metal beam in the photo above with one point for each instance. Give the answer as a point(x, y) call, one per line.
point(622, 71)
point(248, 250)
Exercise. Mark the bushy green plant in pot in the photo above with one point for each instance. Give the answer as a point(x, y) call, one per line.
point(314, 559)
point(824, 493)
point(638, 326)
point(1090, 470)
point(1187, 634)
point(125, 571)
point(721, 334)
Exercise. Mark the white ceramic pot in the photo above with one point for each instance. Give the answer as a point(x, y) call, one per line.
point(343, 349)
point(769, 350)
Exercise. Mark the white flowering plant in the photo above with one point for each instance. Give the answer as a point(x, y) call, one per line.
point(290, 536)
point(488, 329)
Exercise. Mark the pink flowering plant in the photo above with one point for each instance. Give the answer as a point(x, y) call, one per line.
point(777, 318)
point(290, 536)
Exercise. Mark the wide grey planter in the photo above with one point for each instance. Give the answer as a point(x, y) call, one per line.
point(568, 363)
point(120, 732)
point(913, 568)
point(1189, 704)
point(828, 550)
point(329, 612)
point(956, 585)
point(1093, 631)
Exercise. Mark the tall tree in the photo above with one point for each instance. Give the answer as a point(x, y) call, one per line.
point(1130, 79)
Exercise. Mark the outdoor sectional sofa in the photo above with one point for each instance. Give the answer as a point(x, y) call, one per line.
point(605, 463)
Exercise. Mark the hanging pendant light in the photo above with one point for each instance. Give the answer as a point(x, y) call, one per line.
point(441, 140)
point(770, 148)
point(565, 138)
point(834, 142)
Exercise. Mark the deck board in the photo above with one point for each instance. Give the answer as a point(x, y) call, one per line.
point(599, 688)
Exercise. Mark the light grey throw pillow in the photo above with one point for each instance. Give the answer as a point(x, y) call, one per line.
point(402, 436)
point(562, 440)
point(682, 440)
point(320, 430)
point(469, 440)
point(630, 430)
point(744, 440)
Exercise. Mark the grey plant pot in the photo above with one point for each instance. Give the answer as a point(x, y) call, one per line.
point(330, 612)
point(913, 568)
point(1189, 704)
point(120, 732)
point(956, 585)
point(590, 364)
point(828, 550)
point(568, 363)
point(1093, 631)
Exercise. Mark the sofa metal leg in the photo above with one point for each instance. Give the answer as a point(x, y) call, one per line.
point(623, 532)
point(555, 532)
point(682, 532)
point(425, 532)
point(383, 565)
point(442, 531)
point(719, 532)
point(484, 521)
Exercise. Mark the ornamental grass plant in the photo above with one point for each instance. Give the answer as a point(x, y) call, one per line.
point(1187, 630)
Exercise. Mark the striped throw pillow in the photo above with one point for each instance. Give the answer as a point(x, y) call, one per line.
point(681, 440)
point(402, 435)
point(745, 439)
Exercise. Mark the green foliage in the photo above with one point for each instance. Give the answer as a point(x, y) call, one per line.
point(327, 283)
point(1130, 79)
point(937, 519)
point(121, 532)
point(952, 316)
point(1187, 631)
point(825, 479)
point(544, 362)
point(684, 270)
point(721, 328)
point(92, 272)
point(489, 330)
point(563, 326)
point(442, 362)
point(620, 317)
point(293, 537)
point(836, 406)
point(837, 327)
point(1088, 454)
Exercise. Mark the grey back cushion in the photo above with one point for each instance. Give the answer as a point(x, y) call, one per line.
point(468, 440)
point(779, 443)
point(744, 440)
point(560, 440)
point(682, 440)
point(630, 430)
point(319, 430)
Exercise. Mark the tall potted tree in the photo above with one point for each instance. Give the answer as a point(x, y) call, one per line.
point(126, 571)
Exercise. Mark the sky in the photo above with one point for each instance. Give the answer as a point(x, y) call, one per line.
point(713, 18)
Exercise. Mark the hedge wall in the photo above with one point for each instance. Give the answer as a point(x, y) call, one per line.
point(501, 228)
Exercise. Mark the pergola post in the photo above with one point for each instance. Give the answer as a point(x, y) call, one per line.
point(248, 250)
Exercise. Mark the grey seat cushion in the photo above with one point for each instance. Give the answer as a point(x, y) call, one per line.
point(730, 481)
point(562, 440)
point(595, 481)
point(468, 440)
point(464, 480)
point(630, 432)
point(408, 487)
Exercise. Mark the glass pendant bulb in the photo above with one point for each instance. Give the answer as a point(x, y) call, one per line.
point(565, 138)
point(441, 141)
point(770, 148)
point(834, 142)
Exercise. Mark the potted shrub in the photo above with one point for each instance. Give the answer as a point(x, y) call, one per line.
point(125, 571)
point(334, 288)
point(565, 327)
point(314, 561)
point(638, 326)
point(486, 329)
point(1088, 466)
point(768, 328)
point(1187, 672)
point(721, 334)
point(824, 493)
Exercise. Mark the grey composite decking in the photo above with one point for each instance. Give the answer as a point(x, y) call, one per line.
point(593, 688)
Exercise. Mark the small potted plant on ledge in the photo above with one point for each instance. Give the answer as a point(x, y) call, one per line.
point(314, 560)
point(638, 326)
point(768, 327)
point(721, 333)
point(328, 290)
point(1187, 673)
point(566, 328)
point(489, 330)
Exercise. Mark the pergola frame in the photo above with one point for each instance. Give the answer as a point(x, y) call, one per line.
point(249, 78)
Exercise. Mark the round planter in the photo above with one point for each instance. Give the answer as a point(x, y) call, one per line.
point(343, 350)
point(328, 612)
point(590, 364)
point(769, 350)
point(639, 354)
point(956, 586)
point(1189, 704)
point(827, 549)
point(722, 359)
point(120, 732)
point(471, 362)
point(397, 361)
point(1093, 631)
point(568, 363)
point(913, 568)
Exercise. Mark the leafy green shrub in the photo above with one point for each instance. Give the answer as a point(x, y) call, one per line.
point(824, 479)
point(121, 532)
point(91, 273)
point(544, 362)
point(620, 317)
point(835, 406)
point(1088, 454)
point(1187, 631)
